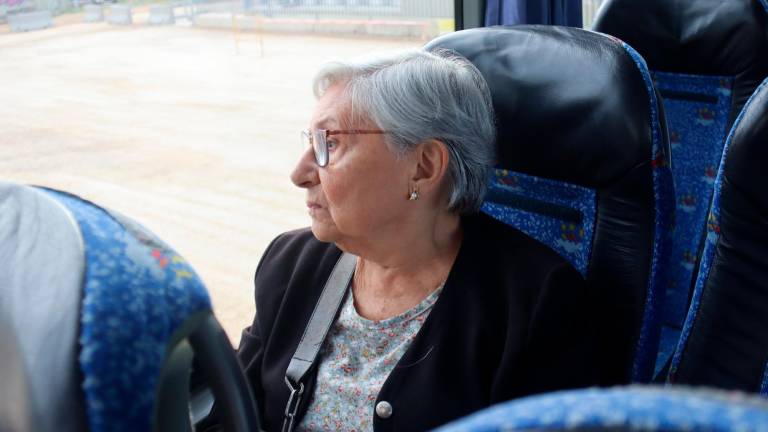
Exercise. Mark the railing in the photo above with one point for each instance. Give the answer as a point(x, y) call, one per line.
point(423, 19)
point(337, 9)
point(327, 10)
point(9, 7)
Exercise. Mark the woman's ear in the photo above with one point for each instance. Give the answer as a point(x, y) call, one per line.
point(432, 159)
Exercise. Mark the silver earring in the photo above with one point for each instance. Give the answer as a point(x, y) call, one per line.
point(414, 195)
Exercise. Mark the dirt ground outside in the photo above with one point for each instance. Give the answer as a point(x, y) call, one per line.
point(191, 132)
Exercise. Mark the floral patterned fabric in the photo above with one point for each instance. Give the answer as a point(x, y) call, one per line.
point(357, 357)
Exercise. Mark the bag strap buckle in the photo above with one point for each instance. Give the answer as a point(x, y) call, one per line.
point(320, 322)
point(292, 407)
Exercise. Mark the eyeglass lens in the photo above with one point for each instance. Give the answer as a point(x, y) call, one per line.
point(316, 139)
point(321, 147)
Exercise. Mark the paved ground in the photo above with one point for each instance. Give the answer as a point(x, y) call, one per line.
point(192, 132)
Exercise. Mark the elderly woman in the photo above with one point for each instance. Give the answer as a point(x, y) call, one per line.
point(448, 311)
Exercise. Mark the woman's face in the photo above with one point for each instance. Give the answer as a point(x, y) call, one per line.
point(359, 198)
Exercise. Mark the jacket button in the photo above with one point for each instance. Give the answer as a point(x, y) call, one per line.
point(383, 409)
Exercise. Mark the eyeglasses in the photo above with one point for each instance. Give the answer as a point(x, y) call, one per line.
point(318, 139)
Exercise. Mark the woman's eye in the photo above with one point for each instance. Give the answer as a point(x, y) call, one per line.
point(332, 144)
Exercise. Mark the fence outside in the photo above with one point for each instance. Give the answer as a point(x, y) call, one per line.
point(427, 18)
point(12, 6)
point(353, 8)
point(8, 7)
point(422, 19)
point(403, 18)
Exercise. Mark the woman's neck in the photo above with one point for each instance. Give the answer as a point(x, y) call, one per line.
point(389, 282)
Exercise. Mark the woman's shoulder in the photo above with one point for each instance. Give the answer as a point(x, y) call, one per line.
point(297, 238)
point(496, 241)
point(505, 268)
point(295, 245)
point(506, 264)
point(291, 258)
point(292, 250)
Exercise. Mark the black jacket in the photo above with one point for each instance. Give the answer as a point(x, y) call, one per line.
point(512, 320)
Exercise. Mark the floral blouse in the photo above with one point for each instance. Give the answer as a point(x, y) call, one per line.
point(357, 357)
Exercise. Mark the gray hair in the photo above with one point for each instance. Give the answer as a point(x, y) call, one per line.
point(418, 95)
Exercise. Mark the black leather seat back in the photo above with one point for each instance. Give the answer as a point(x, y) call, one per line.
point(703, 37)
point(582, 168)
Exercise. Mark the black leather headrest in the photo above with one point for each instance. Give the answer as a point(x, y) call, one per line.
point(701, 37)
point(728, 343)
point(707, 37)
point(552, 87)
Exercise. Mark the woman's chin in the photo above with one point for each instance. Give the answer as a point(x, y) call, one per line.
point(323, 232)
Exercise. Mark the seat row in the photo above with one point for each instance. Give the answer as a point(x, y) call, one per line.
point(611, 151)
point(706, 59)
point(705, 317)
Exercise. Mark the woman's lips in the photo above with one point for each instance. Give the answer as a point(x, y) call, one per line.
point(313, 207)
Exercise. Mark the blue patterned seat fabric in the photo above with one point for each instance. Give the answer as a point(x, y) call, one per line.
point(723, 341)
point(137, 293)
point(558, 214)
point(697, 109)
point(623, 408)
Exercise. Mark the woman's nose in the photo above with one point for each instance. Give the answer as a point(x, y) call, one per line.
point(305, 174)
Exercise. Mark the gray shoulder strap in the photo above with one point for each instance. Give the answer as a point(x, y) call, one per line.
point(319, 323)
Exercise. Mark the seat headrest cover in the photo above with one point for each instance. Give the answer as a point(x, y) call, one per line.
point(622, 408)
point(552, 87)
point(137, 293)
point(702, 37)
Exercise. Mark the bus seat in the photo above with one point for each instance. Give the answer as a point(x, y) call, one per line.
point(632, 408)
point(109, 319)
point(724, 341)
point(706, 58)
point(583, 168)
